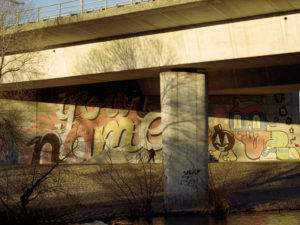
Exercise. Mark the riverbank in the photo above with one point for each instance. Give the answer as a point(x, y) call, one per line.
point(247, 187)
point(259, 186)
point(285, 217)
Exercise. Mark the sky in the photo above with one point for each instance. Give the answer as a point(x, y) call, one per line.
point(66, 9)
point(38, 3)
point(70, 7)
point(46, 2)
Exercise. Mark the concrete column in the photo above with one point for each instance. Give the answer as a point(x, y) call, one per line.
point(184, 116)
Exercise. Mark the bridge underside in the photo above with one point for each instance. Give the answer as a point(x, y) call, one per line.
point(249, 56)
point(229, 81)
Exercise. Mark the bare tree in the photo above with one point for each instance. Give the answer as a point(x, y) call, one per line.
point(22, 185)
point(15, 2)
point(14, 64)
point(136, 186)
point(133, 185)
point(217, 191)
point(15, 58)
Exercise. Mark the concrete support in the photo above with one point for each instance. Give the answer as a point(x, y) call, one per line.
point(184, 116)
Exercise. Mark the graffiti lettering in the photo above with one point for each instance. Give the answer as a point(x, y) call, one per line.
point(124, 127)
point(145, 128)
point(292, 135)
point(191, 178)
point(69, 116)
point(39, 143)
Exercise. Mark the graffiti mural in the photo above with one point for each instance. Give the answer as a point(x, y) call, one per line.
point(42, 154)
point(84, 132)
point(97, 123)
point(223, 142)
point(256, 128)
point(91, 124)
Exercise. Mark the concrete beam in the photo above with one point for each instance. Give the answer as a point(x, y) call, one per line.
point(266, 80)
point(259, 90)
point(78, 80)
point(150, 17)
point(245, 44)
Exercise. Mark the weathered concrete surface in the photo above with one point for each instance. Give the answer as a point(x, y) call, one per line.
point(151, 17)
point(257, 42)
point(262, 80)
point(184, 117)
point(253, 81)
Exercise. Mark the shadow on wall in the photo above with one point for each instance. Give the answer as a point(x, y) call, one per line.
point(184, 114)
point(15, 66)
point(115, 116)
point(126, 54)
point(119, 116)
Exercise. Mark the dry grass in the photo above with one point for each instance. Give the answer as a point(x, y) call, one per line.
point(218, 193)
point(135, 186)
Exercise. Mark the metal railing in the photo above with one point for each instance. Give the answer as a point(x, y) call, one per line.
point(69, 8)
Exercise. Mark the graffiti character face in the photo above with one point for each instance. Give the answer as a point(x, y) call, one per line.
point(279, 98)
point(222, 140)
point(283, 111)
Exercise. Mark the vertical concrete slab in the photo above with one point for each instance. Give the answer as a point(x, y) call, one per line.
point(184, 116)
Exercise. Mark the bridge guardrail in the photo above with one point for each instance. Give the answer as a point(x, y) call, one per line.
point(69, 8)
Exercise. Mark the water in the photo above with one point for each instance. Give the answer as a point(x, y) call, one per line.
point(258, 218)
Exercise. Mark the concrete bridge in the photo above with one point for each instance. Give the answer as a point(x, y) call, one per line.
point(190, 48)
point(214, 37)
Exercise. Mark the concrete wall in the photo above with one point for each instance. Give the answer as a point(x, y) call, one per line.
point(120, 117)
point(254, 128)
point(96, 122)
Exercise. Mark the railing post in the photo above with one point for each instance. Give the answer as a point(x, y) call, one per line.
point(82, 6)
point(131, 2)
point(18, 18)
point(59, 10)
point(105, 4)
point(37, 14)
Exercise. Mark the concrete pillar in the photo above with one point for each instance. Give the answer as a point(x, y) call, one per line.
point(184, 116)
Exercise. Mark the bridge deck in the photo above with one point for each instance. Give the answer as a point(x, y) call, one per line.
point(151, 17)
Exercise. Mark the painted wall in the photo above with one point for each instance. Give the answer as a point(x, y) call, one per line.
point(96, 123)
point(116, 121)
point(254, 128)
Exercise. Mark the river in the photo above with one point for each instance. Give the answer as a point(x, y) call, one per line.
point(255, 218)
